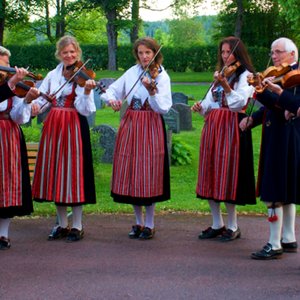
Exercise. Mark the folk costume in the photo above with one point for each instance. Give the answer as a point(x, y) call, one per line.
point(226, 172)
point(15, 187)
point(64, 171)
point(5, 92)
point(279, 166)
point(141, 168)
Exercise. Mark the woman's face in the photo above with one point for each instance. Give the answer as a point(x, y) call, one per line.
point(68, 55)
point(145, 55)
point(227, 57)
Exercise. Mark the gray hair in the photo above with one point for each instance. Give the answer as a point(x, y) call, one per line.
point(289, 46)
point(4, 51)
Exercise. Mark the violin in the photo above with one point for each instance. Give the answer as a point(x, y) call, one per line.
point(152, 72)
point(230, 70)
point(82, 74)
point(6, 72)
point(278, 73)
point(24, 86)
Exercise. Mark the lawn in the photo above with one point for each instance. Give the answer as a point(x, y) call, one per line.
point(183, 178)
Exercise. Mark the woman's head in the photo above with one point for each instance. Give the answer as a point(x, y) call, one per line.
point(144, 50)
point(232, 49)
point(68, 50)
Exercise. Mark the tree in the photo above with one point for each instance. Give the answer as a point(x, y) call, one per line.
point(11, 12)
point(260, 21)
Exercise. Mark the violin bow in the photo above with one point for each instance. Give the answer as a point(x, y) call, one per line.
point(71, 78)
point(143, 73)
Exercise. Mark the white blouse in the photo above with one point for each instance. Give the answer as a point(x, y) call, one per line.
point(161, 102)
point(20, 112)
point(236, 99)
point(84, 104)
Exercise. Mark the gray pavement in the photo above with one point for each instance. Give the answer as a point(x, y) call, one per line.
point(174, 265)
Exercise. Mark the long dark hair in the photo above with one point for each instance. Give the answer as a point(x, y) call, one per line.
point(240, 53)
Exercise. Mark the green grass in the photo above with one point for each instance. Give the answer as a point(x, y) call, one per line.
point(183, 178)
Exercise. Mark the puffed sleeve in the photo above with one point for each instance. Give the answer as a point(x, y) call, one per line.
point(21, 111)
point(161, 102)
point(84, 104)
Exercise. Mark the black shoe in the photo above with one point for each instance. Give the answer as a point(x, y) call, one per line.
point(147, 234)
point(230, 235)
point(135, 231)
point(290, 247)
point(75, 235)
point(58, 233)
point(267, 253)
point(4, 243)
point(210, 233)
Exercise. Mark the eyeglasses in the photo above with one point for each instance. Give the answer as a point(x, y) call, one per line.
point(277, 52)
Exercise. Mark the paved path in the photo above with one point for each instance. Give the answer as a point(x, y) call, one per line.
point(174, 265)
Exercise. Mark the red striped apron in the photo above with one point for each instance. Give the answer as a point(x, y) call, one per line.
point(59, 168)
point(219, 156)
point(10, 161)
point(139, 155)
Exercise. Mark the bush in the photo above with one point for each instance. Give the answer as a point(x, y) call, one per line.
point(181, 153)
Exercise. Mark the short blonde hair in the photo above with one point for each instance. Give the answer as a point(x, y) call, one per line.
point(66, 41)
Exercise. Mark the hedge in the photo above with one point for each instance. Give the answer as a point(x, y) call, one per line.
point(197, 59)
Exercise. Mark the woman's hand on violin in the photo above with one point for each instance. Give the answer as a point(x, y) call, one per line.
point(197, 107)
point(89, 85)
point(150, 85)
point(221, 79)
point(35, 109)
point(246, 123)
point(115, 104)
point(288, 115)
point(32, 94)
point(17, 77)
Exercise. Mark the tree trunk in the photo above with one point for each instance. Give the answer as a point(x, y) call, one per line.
point(60, 21)
point(48, 24)
point(112, 36)
point(239, 18)
point(2, 20)
point(135, 11)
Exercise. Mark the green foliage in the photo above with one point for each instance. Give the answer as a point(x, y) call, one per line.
point(181, 153)
point(32, 133)
point(97, 151)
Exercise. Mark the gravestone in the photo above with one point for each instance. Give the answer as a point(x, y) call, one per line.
point(107, 141)
point(91, 119)
point(179, 98)
point(185, 116)
point(172, 120)
point(105, 83)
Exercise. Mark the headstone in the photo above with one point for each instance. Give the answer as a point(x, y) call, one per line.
point(104, 83)
point(91, 119)
point(185, 116)
point(169, 144)
point(179, 98)
point(172, 120)
point(107, 141)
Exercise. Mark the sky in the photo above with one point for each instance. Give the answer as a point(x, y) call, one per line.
point(146, 15)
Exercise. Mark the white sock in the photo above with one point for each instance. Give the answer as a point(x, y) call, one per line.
point(232, 216)
point(150, 216)
point(288, 225)
point(138, 211)
point(77, 217)
point(62, 216)
point(4, 225)
point(216, 214)
point(275, 228)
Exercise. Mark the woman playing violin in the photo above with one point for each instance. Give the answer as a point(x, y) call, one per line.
point(279, 166)
point(15, 190)
point(140, 168)
point(226, 159)
point(64, 171)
